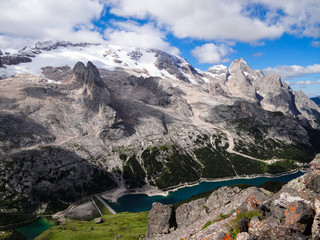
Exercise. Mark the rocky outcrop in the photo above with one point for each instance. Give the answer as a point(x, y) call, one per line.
point(18, 132)
point(173, 65)
point(161, 220)
point(316, 221)
point(58, 176)
point(293, 213)
point(240, 79)
point(309, 109)
point(15, 59)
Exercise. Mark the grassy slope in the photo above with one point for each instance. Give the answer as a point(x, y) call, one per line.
point(129, 226)
point(104, 210)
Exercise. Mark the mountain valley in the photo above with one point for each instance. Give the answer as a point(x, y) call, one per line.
point(80, 119)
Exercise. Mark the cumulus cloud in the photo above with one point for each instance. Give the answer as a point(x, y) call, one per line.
point(247, 20)
point(315, 44)
point(295, 16)
point(288, 72)
point(50, 19)
point(211, 53)
point(205, 19)
point(133, 34)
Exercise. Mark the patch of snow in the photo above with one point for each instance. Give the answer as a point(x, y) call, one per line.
point(245, 73)
point(219, 67)
point(206, 80)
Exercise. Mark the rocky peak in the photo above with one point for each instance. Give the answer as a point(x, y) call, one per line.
point(78, 71)
point(95, 92)
point(92, 76)
point(241, 66)
point(240, 80)
point(177, 67)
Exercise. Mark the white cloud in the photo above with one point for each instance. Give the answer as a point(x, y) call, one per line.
point(211, 53)
point(315, 44)
point(295, 16)
point(204, 19)
point(234, 19)
point(307, 82)
point(50, 19)
point(292, 71)
point(258, 54)
point(132, 34)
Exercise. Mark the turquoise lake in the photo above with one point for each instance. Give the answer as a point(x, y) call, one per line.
point(32, 230)
point(142, 202)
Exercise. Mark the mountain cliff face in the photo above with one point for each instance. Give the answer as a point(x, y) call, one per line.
point(132, 118)
point(252, 213)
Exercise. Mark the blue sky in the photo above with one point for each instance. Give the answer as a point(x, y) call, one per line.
point(273, 35)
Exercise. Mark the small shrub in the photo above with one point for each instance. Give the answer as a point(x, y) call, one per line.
point(207, 224)
point(233, 225)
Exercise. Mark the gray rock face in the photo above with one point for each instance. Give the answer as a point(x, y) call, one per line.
point(15, 59)
point(190, 212)
point(240, 80)
point(58, 74)
point(17, 132)
point(299, 217)
point(95, 91)
point(161, 219)
point(316, 221)
point(57, 175)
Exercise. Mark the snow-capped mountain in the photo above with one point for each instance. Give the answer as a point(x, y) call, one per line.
point(143, 63)
point(85, 118)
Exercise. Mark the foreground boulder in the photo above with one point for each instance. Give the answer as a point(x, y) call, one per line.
point(161, 220)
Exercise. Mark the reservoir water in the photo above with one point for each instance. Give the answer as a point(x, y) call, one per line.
point(143, 202)
point(32, 230)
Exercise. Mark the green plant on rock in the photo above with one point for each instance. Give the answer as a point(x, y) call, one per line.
point(207, 225)
point(233, 225)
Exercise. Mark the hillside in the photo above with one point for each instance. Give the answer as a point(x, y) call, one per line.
point(79, 119)
point(316, 100)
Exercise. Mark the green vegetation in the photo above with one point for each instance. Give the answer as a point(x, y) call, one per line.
point(179, 168)
point(267, 148)
point(215, 163)
point(219, 218)
point(169, 166)
point(206, 225)
point(103, 209)
point(246, 166)
point(281, 166)
point(130, 226)
point(272, 186)
point(11, 235)
point(133, 173)
point(151, 164)
point(233, 225)
point(14, 217)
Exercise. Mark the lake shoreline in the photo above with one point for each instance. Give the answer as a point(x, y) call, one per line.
point(150, 191)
